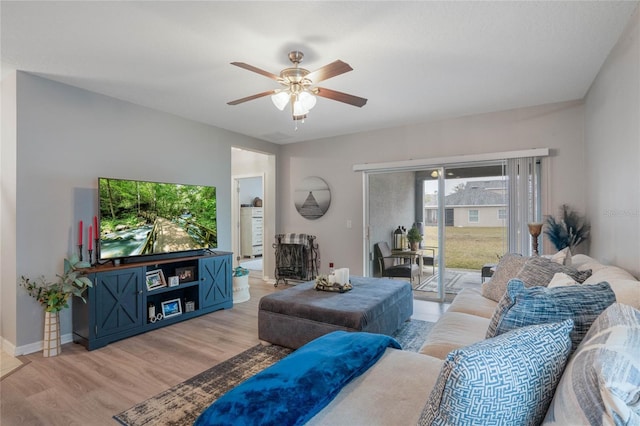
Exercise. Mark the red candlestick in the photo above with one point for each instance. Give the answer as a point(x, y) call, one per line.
point(90, 239)
point(95, 227)
point(80, 233)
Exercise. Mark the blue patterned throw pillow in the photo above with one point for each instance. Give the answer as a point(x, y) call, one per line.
point(521, 306)
point(506, 380)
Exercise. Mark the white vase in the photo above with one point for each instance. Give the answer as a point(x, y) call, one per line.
point(241, 289)
point(51, 342)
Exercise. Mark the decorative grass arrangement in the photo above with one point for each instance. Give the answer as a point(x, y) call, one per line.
point(569, 230)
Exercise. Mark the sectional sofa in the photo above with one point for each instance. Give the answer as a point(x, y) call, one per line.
point(461, 377)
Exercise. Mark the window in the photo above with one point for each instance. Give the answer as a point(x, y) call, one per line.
point(502, 214)
point(473, 216)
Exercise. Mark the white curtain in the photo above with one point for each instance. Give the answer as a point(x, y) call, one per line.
point(523, 176)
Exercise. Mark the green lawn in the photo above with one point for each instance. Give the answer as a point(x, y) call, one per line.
point(469, 247)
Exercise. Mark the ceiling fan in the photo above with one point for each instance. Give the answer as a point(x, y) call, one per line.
point(298, 86)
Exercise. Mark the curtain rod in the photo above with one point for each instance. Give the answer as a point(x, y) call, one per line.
point(440, 161)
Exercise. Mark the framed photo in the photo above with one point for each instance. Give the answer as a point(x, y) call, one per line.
point(186, 274)
point(171, 308)
point(155, 280)
point(174, 281)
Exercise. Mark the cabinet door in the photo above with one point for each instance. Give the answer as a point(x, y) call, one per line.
point(118, 301)
point(215, 281)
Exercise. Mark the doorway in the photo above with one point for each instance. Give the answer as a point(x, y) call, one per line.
point(473, 200)
point(250, 192)
point(253, 210)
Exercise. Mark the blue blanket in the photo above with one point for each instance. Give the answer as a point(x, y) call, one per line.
point(297, 387)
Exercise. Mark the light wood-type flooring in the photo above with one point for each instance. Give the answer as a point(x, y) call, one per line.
point(81, 387)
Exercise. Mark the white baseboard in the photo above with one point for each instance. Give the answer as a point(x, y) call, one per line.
point(35, 346)
point(7, 347)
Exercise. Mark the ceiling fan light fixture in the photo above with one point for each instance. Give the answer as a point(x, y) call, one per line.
point(307, 99)
point(297, 87)
point(299, 108)
point(280, 100)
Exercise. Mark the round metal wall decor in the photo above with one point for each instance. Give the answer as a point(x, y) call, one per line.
point(312, 197)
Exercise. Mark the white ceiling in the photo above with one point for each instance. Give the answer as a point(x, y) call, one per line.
point(414, 61)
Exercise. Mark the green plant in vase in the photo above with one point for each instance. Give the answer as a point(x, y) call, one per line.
point(414, 238)
point(54, 296)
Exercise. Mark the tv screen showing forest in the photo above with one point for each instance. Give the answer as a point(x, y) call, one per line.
point(142, 218)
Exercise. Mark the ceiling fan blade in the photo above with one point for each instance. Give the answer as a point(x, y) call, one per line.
point(255, 69)
point(252, 97)
point(340, 97)
point(331, 70)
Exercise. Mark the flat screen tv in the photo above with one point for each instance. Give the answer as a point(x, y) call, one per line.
point(151, 219)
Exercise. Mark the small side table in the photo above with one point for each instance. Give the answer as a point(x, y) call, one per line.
point(488, 270)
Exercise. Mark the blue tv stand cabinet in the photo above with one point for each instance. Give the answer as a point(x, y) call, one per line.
point(122, 302)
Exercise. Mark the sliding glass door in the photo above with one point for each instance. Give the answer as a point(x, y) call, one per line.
point(466, 220)
point(470, 214)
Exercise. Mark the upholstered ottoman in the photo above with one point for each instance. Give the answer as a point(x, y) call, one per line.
point(297, 315)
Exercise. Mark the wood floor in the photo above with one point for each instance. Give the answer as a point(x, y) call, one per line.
point(81, 387)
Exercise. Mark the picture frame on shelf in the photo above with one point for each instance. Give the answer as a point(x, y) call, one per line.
point(174, 281)
point(171, 308)
point(186, 274)
point(155, 280)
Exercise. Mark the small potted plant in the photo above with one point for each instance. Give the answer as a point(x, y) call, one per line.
point(54, 297)
point(414, 238)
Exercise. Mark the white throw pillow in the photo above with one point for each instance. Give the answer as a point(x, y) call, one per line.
point(563, 257)
point(561, 279)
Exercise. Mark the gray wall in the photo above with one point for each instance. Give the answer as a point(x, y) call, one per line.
point(555, 126)
point(250, 188)
point(612, 140)
point(66, 139)
point(391, 204)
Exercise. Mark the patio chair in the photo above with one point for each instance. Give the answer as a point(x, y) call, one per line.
point(389, 268)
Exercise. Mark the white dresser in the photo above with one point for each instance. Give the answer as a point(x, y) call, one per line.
point(251, 231)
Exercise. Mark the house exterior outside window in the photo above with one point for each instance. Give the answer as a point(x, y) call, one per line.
point(502, 214)
point(474, 217)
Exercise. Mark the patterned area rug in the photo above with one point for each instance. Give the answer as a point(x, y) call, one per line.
point(181, 404)
point(451, 278)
